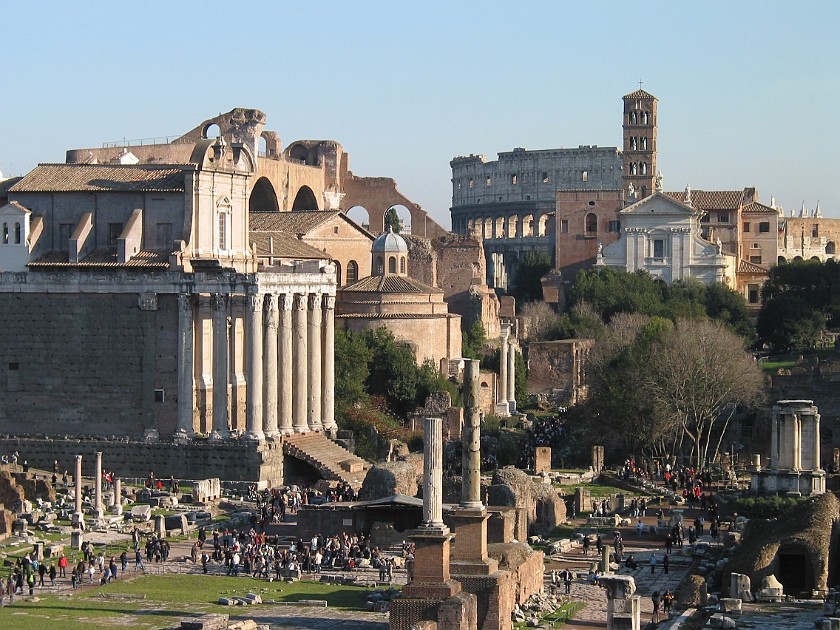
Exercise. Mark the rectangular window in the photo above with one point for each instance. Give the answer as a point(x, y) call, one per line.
point(114, 231)
point(615, 226)
point(514, 179)
point(489, 181)
point(704, 218)
point(658, 248)
point(223, 230)
point(746, 227)
point(756, 260)
point(584, 176)
point(752, 293)
point(723, 217)
point(564, 226)
point(163, 236)
point(815, 230)
point(160, 395)
point(472, 182)
point(764, 226)
point(545, 177)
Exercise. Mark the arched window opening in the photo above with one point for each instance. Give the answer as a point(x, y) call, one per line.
point(263, 198)
point(830, 248)
point(402, 264)
point(782, 260)
point(633, 168)
point(644, 144)
point(352, 272)
point(633, 145)
point(299, 153)
point(528, 225)
point(17, 233)
point(305, 200)
point(632, 118)
point(211, 131)
point(392, 264)
point(360, 216)
point(591, 223)
point(380, 266)
point(644, 168)
point(500, 228)
point(542, 226)
point(488, 229)
point(513, 227)
point(644, 118)
point(5, 234)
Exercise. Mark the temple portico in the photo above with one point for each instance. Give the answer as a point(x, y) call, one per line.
point(288, 338)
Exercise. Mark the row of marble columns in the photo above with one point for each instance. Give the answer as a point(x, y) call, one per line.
point(505, 396)
point(289, 352)
point(98, 510)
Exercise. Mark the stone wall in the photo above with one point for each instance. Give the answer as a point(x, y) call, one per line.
point(229, 461)
point(65, 373)
point(575, 246)
point(555, 369)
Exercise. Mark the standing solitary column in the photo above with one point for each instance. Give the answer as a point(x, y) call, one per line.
point(315, 364)
point(286, 344)
point(433, 475)
point(270, 375)
point(97, 487)
point(185, 367)
point(301, 382)
point(774, 439)
point(254, 354)
point(220, 367)
point(503, 366)
point(328, 386)
point(78, 518)
point(471, 462)
point(511, 375)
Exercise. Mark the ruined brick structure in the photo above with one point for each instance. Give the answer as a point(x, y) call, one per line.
point(556, 370)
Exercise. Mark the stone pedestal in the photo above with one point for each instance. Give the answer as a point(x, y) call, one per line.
point(160, 526)
point(623, 608)
point(542, 459)
point(76, 540)
point(597, 458)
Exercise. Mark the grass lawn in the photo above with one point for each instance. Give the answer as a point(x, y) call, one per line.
point(168, 598)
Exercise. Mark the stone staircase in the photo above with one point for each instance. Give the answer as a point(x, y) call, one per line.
point(333, 461)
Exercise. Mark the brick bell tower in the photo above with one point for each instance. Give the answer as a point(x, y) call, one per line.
point(639, 149)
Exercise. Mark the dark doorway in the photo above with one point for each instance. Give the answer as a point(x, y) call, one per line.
point(795, 571)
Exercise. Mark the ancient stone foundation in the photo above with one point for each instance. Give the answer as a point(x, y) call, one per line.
point(229, 461)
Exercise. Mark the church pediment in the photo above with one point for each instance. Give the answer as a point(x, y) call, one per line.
point(659, 204)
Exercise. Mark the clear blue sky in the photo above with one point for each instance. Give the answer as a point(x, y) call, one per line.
point(748, 91)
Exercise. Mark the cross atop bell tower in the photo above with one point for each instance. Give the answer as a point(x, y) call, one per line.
point(639, 148)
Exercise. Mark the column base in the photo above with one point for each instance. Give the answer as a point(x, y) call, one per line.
point(253, 436)
point(151, 435)
point(273, 436)
point(331, 431)
point(78, 521)
point(218, 436)
point(502, 409)
point(182, 436)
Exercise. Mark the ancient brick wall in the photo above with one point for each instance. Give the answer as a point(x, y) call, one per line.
point(64, 371)
point(555, 368)
point(576, 246)
point(229, 461)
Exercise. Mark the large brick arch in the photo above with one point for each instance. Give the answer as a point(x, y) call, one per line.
point(305, 200)
point(378, 194)
point(263, 197)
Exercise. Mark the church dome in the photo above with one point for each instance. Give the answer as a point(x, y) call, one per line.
point(388, 243)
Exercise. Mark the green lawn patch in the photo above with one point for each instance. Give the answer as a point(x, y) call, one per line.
point(167, 599)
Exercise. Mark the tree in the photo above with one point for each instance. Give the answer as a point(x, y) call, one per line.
point(699, 373)
point(393, 370)
point(610, 291)
point(352, 357)
point(392, 220)
point(532, 266)
point(472, 340)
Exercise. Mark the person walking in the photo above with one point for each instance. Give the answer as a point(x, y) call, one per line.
point(665, 564)
point(567, 579)
point(656, 600)
point(138, 561)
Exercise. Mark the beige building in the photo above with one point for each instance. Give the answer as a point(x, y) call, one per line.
point(413, 311)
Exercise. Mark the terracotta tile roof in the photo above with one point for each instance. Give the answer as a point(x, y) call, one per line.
point(282, 245)
point(289, 222)
point(101, 177)
point(745, 266)
point(711, 199)
point(639, 94)
point(758, 207)
point(390, 283)
point(104, 257)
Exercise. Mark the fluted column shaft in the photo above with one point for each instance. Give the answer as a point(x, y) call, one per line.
point(220, 366)
point(270, 375)
point(97, 486)
point(286, 346)
point(328, 385)
point(471, 439)
point(186, 369)
point(301, 382)
point(503, 367)
point(315, 363)
point(254, 356)
point(511, 372)
point(433, 474)
point(78, 482)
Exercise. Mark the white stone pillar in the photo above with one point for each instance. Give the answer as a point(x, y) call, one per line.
point(97, 487)
point(254, 355)
point(816, 443)
point(433, 474)
point(511, 375)
point(315, 364)
point(328, 385)
point(774, 440)
point(186, 369)
point(471, 439)
point(78, 518)
point(301, 365)
point(797, 441)
point(220, 367)
point(286, 366)
point(270, 375)
point(501, 389)
point(117, 496)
